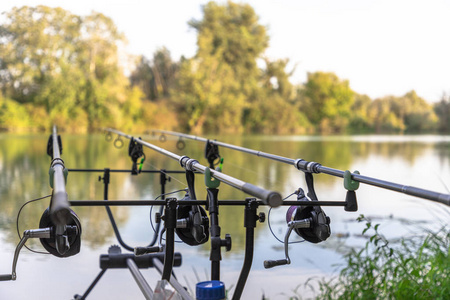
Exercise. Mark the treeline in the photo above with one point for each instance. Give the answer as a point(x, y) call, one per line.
point(60, 68)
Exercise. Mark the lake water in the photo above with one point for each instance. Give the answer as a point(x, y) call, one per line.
point(422, 161)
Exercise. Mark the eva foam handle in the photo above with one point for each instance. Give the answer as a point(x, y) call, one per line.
point(270, 198)
point(5, 277)
point(273, 263)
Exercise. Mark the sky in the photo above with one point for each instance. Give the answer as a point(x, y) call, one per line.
point(383, 47)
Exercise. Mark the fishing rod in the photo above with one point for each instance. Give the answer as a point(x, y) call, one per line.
point(59, 227)
point(314, 167)
point(60, 230)
point(271, 198)
point(308, 220)
point(59, 213)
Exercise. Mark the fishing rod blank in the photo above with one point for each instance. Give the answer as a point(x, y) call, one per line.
point(59, 206)
point(314, 167)
point(59, 216)
point(271, 198)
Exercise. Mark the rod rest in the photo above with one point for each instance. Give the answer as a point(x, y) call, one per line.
point(119, 261)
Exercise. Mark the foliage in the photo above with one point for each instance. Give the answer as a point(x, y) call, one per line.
point(62, 63)
point(442, 110)
point(214, 86)
point(327, 101)
point(155, 78)
point(13, 114)
point(60, 68)
point(412, 269)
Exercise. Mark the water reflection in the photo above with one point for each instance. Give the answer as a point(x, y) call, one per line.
point(423, 162)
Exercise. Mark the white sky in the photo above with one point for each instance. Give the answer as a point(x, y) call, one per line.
point(383, 47)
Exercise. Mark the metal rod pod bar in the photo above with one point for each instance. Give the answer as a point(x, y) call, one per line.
point(270, 198)
point(313, 167)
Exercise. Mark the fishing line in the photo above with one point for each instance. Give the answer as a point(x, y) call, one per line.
point(270, 227)
point(168, 175)
point(17, 223)
point(151, 209)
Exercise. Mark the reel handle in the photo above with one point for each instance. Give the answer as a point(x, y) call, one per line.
point(273, 263)
point(6, 277)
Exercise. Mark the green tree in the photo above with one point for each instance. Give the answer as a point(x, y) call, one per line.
point(37, 44)
point(327, 100)
point(104, 88)
point(156, 78)
point(382, 116)
point(359, 120)
point(274, 110)
point(214, 86)
point(63, 65)
point(418, 115)
point(38, 62)
point(408, 113)
point(442, 110)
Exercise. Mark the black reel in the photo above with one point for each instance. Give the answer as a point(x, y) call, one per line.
point(73, 231)
point(135, 151)
point(320, 222)
point(196, 229)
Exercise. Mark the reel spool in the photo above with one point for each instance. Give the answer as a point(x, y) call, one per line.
point(73, 231)
point(309, 222)
point(193, 224)
point(320, 222)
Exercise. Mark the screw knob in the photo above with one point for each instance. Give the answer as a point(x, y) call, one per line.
point(158, 218)
point(261, 217)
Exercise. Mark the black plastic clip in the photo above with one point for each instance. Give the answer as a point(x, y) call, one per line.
point(212, 153)
point(135, 151)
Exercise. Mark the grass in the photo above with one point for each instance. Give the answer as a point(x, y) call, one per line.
point(414, 268)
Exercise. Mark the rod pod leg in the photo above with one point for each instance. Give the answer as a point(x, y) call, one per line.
point(250, 218)
point(170, 223)
point(216, 242)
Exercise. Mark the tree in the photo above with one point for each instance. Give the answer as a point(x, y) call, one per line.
point(62, 63)
point(418, 115)
point(442, 110)
point(214, 87)
point(37, 45)
point(156, 78)
point(383, 117)
point(359, 120)
point(326, 100)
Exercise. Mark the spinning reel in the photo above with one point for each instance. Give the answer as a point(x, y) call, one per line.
point(71, 236)
point(192, 224)
point(309, 222)
point(192, 227)
point(51, 235)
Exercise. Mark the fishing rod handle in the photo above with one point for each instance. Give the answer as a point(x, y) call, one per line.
point(270, 198)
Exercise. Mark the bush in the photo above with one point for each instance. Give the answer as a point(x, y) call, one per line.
point(411, 269)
